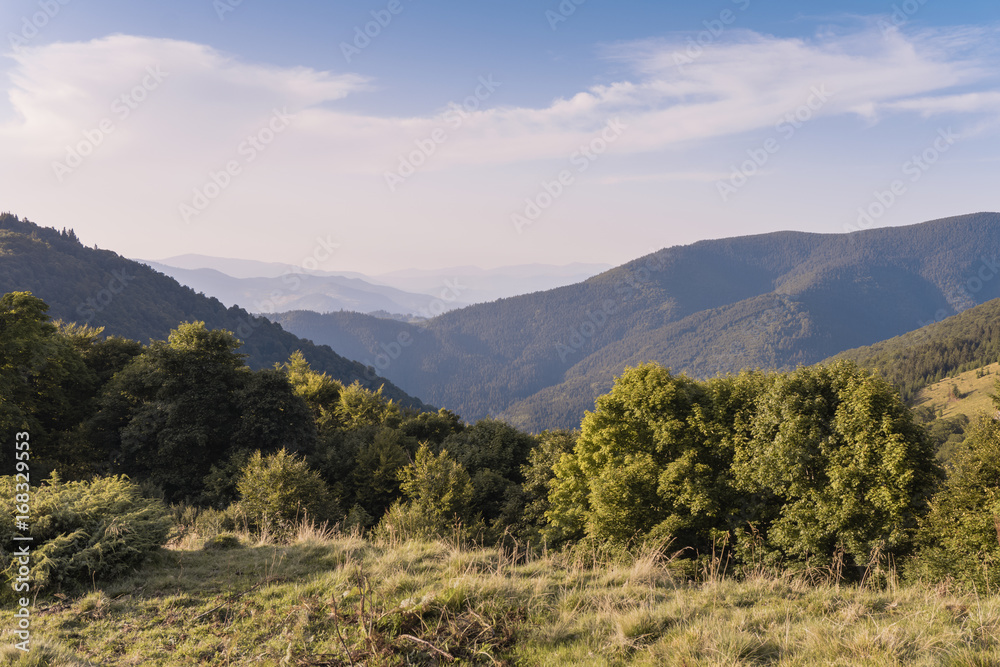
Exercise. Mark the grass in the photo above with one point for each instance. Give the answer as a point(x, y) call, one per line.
point(329, 599)
point(974, 393)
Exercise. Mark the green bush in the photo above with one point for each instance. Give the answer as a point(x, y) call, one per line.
point(83, 531)
point(960, 536)
point(278, 490)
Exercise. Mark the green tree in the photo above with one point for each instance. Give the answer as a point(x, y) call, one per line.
point(280, 489)
point(437, 486)
point(172, 411)
point(843, 460)
point(642, 464)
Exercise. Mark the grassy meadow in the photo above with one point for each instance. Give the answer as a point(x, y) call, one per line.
point(333, 599)
point(975, 389)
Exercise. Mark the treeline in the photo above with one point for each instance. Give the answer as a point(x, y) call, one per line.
point(185, 416)
point(915, 360)
point(100, 288)
point(822, 466)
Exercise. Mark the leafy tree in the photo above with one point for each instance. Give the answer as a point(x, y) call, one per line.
point(641, 465)
point(437, 486)
point(45, 385)
point(960, 536)
point(172, 411)
point(846, 464)
point(493, 452)
point(280, 489)
point(539, 475)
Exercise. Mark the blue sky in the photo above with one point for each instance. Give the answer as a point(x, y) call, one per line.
point(489, 132)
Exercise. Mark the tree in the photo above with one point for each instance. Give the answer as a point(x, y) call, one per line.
point(642, 464)
point(437, 486)
point(280, 489)
point(845, 463)
point(172, 411)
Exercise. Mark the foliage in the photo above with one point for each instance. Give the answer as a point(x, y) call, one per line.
point(280, 489)
point(84, 531)
point(815, 461)
point(960, 536)
point(438, 490)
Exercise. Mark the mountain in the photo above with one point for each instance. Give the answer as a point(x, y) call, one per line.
point(769, 301)
point(300, 291)
point(404, 290)
point(470, 284)
point(915, 360)
point(129, 299)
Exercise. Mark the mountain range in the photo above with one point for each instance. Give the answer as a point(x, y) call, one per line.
point(129, 299)
point(770, 301)
point(265, 287)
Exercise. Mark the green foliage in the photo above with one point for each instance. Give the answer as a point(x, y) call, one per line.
point(437, 487)
point(960, 536)
point(643, 463)
point(843, 460)
point(810, 462)
point(222, 542)
point(539, 475)
point(84, 531)
point(278, 490)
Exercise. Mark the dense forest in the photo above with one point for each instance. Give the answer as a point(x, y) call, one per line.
point(128, 299)
point(771, 301)
point(822, 465)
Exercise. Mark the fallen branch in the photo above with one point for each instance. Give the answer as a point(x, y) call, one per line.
point(448, 656)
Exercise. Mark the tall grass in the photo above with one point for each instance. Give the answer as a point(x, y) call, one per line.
point(326, 597)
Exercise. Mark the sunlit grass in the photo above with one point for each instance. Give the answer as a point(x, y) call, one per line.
point(333, 599)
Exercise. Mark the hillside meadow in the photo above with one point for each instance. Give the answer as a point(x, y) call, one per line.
point(328, 598)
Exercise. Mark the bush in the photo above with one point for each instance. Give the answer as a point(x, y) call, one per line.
point(278, 490)
point(960, 536)
point(84, 530)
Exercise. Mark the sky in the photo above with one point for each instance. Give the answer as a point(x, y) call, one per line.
point(381, 135)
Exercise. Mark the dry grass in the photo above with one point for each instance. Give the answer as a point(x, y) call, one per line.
point(336, 599)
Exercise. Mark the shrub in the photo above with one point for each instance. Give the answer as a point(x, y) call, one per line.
point(280, 489)
point(84, 530)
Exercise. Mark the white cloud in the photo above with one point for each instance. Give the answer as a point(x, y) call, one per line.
point(209, 102)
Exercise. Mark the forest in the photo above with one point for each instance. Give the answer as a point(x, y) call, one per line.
point(819, 465)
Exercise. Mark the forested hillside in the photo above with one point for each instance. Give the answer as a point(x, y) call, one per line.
point(916, 359)
point(102, 289)
point(769, 301)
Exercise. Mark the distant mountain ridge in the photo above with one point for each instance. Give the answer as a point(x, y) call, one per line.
point(129, 299)
point(770, 301)
point(422, 292)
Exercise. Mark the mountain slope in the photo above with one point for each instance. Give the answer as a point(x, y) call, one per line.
point(772, 301)
point(129, 299)
point(300, 291)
